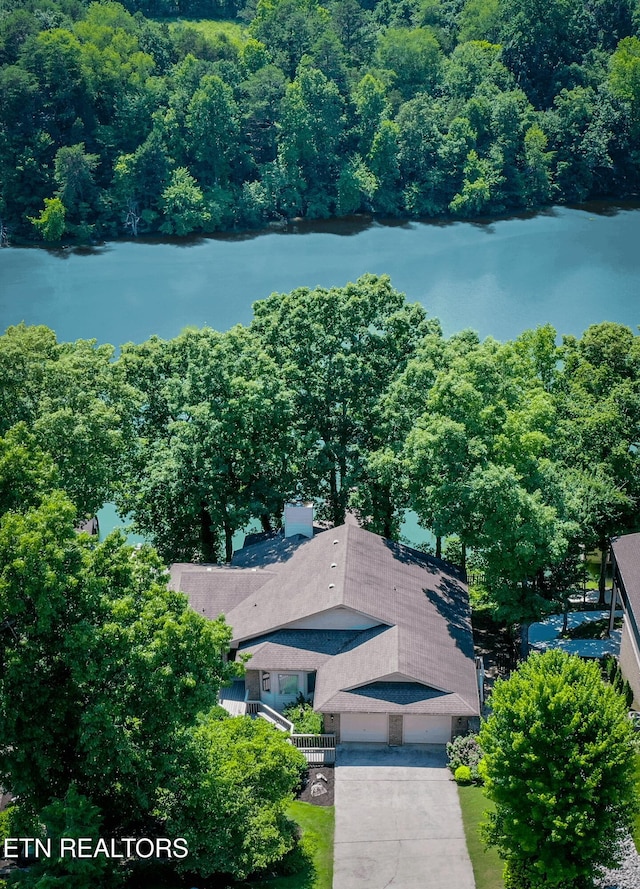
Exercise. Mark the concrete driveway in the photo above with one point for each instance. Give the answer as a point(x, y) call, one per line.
point(398, 820)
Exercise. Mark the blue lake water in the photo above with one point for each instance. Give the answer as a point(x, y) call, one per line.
point(569, 267)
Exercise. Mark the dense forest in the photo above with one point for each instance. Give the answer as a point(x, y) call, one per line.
point(128, 119)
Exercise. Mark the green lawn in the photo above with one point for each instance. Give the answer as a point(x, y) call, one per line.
point(636, 826)
point(487, 864)
point(236, 32)
point(317, 824)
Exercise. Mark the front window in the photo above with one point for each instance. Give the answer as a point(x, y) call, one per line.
point(287, 683)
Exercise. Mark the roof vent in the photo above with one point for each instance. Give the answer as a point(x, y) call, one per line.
point(335, 541)
point(333, 565)
point(331, 586)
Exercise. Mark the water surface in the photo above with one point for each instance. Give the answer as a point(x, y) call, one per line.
point(569, 267)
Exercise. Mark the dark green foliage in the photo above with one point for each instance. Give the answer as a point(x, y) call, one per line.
point(114, 124)
point(614, 676)
point(559, 761)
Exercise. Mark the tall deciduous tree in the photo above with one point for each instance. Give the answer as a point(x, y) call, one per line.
point(559, 761)
point(103, 667)
point(65, 394)
point(338, 350)
point(214, 440)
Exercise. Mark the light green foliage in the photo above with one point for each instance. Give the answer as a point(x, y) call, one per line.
point(312, 128)
point(476, 66)
point(51, 221)
point(338, 350)
point(183, 205)
point(83, 88)
point(479, 20)
point(559, 757)
point(372, 108)
point(74, 171)
point(481, 180)
point(477, 464)
point(304, 718)
point(231, 804)
point(65, 394)
point(462, 775)
point(414, 57)
point(289, 29)
point(538, 166)
point(356, 187)
point(212, 121)
point(90, 626)
point(624, 76)
point(26, 472)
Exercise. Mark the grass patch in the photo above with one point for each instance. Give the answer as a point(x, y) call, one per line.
point(593, 629)
point(487, 864)
point(317, 824)
point(236, 32)
point(636, 822)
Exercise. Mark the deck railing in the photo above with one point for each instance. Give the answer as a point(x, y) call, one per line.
point(317, 749)
point(259, 708)
point(324, 741)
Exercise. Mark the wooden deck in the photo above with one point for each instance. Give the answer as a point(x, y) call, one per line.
point(232, 698)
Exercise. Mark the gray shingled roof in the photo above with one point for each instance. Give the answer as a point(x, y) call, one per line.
point(626, 550)
point(302, 649)
point(213, 589)
point(420, 604)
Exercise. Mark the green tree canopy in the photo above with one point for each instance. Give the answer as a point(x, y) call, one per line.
point(338, 350)
point(214, 440)
point(559, 763)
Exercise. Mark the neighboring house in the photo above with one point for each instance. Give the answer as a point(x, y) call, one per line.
point(625, 553)
point(376, 634)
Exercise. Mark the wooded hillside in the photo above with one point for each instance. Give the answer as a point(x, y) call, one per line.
point(113, 123)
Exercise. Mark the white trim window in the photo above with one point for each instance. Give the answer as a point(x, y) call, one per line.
point(288, 684)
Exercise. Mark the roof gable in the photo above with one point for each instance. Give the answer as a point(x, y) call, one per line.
point(419, 605)
point(338, 618)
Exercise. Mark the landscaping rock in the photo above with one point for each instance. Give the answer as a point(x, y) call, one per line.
point(627, 876)
point(318, 789)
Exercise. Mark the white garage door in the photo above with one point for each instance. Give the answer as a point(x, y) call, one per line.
point(363, 727)
point(426, 729)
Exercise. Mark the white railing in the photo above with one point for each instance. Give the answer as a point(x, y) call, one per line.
point(258, 708)
point(316, 741)
point(318, 750)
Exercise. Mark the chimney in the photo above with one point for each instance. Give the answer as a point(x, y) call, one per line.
point(298, 519)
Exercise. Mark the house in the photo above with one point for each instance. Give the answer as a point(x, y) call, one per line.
point(625, 554)
point(377, 635)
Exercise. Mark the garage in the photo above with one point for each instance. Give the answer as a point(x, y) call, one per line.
point(363, 727)
point(426, 729)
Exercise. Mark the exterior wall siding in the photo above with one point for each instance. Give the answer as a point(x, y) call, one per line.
point(252, 684)
point(395, 730)
point(629, 660)
point(332, 724)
